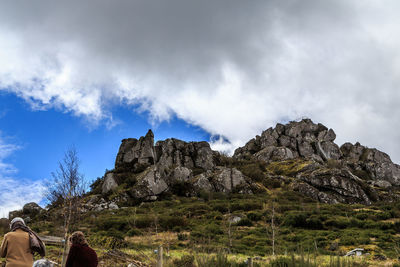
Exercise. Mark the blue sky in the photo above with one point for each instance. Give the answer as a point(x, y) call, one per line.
point(87, 73)
point(44, 135)
point(41, 137)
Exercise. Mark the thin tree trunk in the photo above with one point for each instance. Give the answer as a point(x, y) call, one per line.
point(229, 229)
point(66, 230)
point(273, 229)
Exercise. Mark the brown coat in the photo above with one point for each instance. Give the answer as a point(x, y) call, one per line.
point(15, 248)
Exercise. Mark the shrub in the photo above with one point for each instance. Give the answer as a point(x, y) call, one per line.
point(383, 215)
point(182, 237)
point(134, 232)
point(314, 222)
point(246, 205)
point(106, 242)
point(96, 186)
point(181, 188)
point(362, 216)
point(221, 207)
point(337, 222)
point(197, 209)
point(244, 222)
point(295, 219)
point(254, 216)
point(169, 222)
point(144, 222)
point(214, 229)
point(184, 261)
point(254, 171)
point(115, 233)
point(272, 183)
point(117, 223)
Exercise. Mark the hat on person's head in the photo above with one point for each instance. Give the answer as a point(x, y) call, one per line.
point(16, 219)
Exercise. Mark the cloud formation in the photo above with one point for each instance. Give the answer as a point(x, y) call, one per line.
point(233, 68)
point(15, 192)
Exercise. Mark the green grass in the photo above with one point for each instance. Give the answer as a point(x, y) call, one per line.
point(200, 231)
point(299, 223)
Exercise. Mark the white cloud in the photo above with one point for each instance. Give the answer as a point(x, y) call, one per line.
point(234, 68)
point(15, 192)
point(5, 151)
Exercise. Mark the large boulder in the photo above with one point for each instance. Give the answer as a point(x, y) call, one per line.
point(174, 152)
point(150, 184)
point(376, 164)
point(180, 174)
point(201, 183)
point(32, 209)
point(230, 179)
point(303, 139)
point(332, 186)
point(109, 183)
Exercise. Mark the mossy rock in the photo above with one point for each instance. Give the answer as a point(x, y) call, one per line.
point(290, 167)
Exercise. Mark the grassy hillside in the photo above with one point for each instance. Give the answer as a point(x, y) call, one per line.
point(216, 229)
point(240, 225)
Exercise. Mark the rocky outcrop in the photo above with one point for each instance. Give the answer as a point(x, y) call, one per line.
point(302, 139)
point(31, 209)
point(332, 186)
point(28, 211)
point(98, 203)
point(371, 163)
point(165, 154)
point(349, 174)
point(151, 183)
point(174, 152)
point(161, 166)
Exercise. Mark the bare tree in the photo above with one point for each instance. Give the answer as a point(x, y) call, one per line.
point(273, 225)
point(67, 189)
point(230, 237)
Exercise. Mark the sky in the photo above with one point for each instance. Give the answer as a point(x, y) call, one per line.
point(90, 73)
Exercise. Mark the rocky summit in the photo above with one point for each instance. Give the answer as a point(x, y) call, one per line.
point(299, 155)
point(331, 174)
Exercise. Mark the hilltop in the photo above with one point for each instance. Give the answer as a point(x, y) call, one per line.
point(302, 155)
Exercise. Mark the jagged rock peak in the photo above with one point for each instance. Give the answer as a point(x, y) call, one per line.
point(303, 139)
point(166, 153)
point(136, 151)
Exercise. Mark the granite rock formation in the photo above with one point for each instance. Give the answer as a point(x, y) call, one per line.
point(331, 174)
point(168, 165)
point(347, 174)
point(302, 139)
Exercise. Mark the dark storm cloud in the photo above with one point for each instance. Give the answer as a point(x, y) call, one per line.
point(231, 67)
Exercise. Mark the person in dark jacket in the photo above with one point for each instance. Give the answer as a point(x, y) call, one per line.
point(80, 254)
